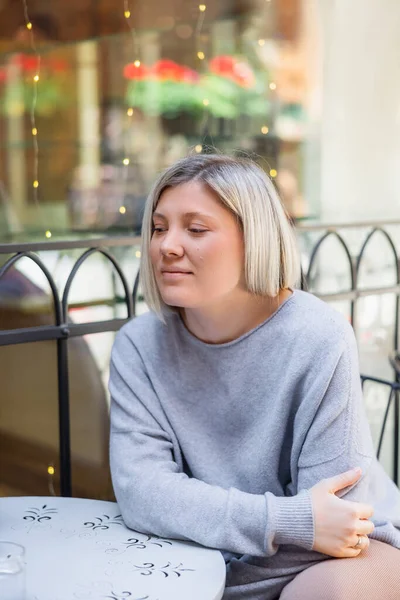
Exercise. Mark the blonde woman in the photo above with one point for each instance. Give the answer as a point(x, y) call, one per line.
point(237, 419)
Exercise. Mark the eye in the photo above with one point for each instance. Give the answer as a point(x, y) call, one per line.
point(158, 229)
point(196, 230)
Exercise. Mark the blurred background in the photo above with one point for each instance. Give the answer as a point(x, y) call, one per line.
point(96, 97)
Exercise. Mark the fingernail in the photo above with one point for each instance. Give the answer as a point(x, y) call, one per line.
point(357, 470)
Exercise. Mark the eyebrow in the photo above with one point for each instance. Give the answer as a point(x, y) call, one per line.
point(190, 215)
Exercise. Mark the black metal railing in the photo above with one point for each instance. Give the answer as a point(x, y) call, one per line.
point(63, 329)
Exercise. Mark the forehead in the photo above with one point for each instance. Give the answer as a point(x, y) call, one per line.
point(190, 197)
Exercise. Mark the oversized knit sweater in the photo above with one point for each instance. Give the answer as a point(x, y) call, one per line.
point(220, 443)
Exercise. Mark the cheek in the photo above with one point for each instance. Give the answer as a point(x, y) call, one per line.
point(153, 252)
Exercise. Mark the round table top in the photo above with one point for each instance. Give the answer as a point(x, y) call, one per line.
point(80, 549)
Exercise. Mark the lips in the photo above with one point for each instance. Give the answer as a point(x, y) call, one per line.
point(181, 271)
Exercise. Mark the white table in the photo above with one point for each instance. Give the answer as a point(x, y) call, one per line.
point(81, 550)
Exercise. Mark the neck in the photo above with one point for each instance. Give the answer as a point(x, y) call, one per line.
point(222, 324)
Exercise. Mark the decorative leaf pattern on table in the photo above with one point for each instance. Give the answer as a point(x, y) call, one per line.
point(104, 523)
point(138, 544)
point(98, 591)
point(166, 570)
point(40, 514)
point(123, 595)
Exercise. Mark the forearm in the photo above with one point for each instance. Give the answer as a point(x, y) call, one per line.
point(156, 499)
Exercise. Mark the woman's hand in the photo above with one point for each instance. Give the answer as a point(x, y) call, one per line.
point(339, 523)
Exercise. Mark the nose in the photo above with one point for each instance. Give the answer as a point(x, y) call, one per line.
point(171, 244)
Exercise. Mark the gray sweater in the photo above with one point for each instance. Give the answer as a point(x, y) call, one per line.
point(220, 443)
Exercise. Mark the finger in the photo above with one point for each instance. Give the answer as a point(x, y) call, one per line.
point(351, 553)
point(361, 510)
point(365, 527)
point(361, 540)
point(338, 482)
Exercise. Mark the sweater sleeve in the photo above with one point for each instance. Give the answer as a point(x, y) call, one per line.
point(339, 436)
point(156, 497)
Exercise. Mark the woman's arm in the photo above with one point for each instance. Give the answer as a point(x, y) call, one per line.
point(156, 498)
point(339, 439)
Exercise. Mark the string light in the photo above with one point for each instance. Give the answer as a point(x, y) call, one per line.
point(127, 14)
point(202, 7)
point(122, 210)
point(201, 55)
point(206, 102)
point(36, 78)
point(50, 472)
point(198, 148)
point(264, 130)
point(261, 42)
point(273, 172)
point(137, 63)
point(34, 131)
point(29, 26)
point(126, 161)
point(129, 112)
point(272, 86)
point(138, 254)
point(36, 183)
point(48, 235)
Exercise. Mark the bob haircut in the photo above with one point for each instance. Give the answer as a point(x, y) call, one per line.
point(272, 260)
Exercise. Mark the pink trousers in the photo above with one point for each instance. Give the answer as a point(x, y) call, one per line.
point(373, 575)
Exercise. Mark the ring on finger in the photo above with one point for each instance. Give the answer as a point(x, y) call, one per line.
point(360, 542)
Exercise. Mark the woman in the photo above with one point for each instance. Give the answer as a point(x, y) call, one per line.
point(236, 403)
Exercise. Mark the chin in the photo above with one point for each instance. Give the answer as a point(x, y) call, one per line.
point(179, 301)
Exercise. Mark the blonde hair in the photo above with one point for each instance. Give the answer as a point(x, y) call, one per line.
point(272, 260)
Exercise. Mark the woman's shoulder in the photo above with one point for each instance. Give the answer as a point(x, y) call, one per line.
point(316, 320)
point(144, 329)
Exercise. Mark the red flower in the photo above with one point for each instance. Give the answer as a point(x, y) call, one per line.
point(244, 75)
point(27, 62)
point(189, 75)
point(237, 71)
point(166, 69)
point(162, 70)
point(132, 71)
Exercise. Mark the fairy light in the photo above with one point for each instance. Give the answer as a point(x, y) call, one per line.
point(126, 132)
point(273, 172)
point(48, 235)
point(264, 130)
point(201, 52)
point(30, 28)
point(272, 86)
point(261, 42)
point(51, 471)
point(138, 254)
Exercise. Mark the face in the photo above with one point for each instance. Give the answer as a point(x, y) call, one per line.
point(196, 249)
